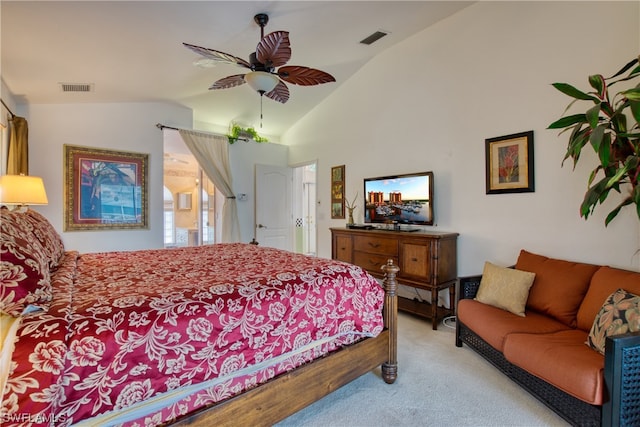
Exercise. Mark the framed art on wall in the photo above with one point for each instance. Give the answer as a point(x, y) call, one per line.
point(104, 189)
point(337, 192)
point(509, 163)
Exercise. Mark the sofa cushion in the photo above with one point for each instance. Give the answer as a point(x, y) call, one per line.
point(562, 359)
point(559, 286)
point(619, 314)
point(505, 288)
point(605, 282)
point(493, 324)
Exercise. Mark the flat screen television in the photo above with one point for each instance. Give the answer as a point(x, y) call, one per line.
point(404, 199)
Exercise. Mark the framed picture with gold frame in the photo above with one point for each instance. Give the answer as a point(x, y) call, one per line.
point(337, 192)
point(509, 163)
point(104, 189)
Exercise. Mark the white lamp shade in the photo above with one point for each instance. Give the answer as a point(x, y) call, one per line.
point(22, 190)
point(261, 81)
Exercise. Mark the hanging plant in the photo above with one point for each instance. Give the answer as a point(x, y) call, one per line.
point(610, 127)
point(238, 132)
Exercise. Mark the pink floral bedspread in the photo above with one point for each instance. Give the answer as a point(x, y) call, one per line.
point(126, 326)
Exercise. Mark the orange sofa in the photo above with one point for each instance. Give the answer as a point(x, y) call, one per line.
point(551, 347)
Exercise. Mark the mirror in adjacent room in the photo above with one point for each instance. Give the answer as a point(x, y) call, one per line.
point(184, 201)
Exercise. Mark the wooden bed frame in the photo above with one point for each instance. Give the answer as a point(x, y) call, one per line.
point(288, 393)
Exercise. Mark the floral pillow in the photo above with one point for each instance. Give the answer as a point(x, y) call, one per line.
point(619, 314)
point(47, 235)
point(24, 268)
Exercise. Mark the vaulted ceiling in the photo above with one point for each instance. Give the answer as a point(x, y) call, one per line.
point(132, 51)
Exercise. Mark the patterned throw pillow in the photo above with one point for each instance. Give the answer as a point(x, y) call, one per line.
point(619, 314)
point(24, 268)
point(505, 288)
point(47, 235)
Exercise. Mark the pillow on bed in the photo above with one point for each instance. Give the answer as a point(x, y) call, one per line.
point(8, 329)
point(505, 288)
point(24, 266)
point(47, 236)
point(619, 314)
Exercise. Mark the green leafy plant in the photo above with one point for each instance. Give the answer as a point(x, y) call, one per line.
point(238, 132)
point(610, 127)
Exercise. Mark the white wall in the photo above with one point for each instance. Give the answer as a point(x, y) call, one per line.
point(244, 156)
point(128, 127)
point(430, 102)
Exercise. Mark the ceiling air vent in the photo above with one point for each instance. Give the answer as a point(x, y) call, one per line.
point(76, 87)
point(373, 37)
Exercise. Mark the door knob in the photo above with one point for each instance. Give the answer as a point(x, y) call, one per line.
point(262, 226)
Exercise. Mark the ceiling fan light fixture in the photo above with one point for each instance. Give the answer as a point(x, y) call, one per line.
point(261, 81)
point(273, 51)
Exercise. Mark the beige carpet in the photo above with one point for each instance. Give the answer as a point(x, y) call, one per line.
point(438, 384)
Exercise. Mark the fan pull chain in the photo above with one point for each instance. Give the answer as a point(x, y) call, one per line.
point(261, 96)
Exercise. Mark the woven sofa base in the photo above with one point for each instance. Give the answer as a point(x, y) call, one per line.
point(575, 411)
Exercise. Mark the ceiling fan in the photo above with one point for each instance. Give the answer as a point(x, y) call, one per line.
point(273, 50)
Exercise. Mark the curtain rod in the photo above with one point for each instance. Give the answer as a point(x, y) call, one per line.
point(161, 127)
point(8, 109)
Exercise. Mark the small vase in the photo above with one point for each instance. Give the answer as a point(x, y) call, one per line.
point(350, 220)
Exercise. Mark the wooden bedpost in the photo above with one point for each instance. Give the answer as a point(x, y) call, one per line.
point(390, 367)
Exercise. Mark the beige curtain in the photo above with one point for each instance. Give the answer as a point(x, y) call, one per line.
point(18, 155)
point(212, 153)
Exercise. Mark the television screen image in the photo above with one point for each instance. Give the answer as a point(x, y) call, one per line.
point(405, 199)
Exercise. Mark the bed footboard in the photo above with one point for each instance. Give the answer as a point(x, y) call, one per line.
point(390, 367)
point(288, 393)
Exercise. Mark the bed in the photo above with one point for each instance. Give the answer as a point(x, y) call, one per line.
point(224, 334)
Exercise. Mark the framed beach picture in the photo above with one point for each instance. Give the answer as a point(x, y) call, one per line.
point(509, 163)
point(104, 189)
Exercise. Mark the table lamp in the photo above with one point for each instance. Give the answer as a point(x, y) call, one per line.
point(22, 190)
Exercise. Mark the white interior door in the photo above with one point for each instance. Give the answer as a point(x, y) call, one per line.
point(309, 215)
point(274, 219)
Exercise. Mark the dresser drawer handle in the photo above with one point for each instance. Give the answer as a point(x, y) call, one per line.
point(414, 259)
point(374, 245)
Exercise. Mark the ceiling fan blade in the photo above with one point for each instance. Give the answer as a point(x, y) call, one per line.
point(274, 49)
point(228, 82)
point(304, 76)
point(217, 55)
point(279, 93)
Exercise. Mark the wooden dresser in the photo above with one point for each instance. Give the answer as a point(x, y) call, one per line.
point(427, 260)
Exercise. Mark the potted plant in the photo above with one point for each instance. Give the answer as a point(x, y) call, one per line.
point(238, 132)
point(610, 127)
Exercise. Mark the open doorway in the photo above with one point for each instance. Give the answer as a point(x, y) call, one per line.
point(189, 197)
point(304, 208)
